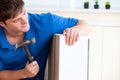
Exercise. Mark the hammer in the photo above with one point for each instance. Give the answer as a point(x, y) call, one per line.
point(24, 45)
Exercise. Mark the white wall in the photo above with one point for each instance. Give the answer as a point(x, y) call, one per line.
point(67, 4)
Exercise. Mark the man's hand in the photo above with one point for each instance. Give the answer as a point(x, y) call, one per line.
point(72, 35)
point(31, 69)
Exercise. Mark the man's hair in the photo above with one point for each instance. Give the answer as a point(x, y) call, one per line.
point(10, 8)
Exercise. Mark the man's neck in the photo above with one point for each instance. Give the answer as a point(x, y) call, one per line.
point(14, 39)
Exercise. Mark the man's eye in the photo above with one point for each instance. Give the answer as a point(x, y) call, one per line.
point(15, 21)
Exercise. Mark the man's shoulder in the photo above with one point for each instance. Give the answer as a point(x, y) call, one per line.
point(39, 14)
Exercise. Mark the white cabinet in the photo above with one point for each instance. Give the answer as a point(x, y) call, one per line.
point(104, 61)
point(95, 53)
point(111, 53)
point(68, 62)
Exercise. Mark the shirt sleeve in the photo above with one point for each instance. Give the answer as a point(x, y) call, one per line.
point(60, 23)
point(51, 22)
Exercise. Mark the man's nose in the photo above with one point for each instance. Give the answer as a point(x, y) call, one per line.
point(23, 20)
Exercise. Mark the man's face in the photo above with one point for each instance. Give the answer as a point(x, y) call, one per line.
point(17, 25)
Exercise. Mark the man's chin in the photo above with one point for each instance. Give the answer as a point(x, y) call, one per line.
point(27, 29)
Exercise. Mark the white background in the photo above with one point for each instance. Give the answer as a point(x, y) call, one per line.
point(68, 4)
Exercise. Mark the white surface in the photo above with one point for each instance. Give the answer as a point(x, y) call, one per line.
point(111, 54)
point(104, 55)
point(73, 60)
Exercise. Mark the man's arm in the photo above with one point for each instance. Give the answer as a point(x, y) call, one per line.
point(83, 27)
point(73, 34)
point(12, 75)
point(29, 71)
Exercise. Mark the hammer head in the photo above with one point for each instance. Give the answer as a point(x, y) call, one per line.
point(24, 43)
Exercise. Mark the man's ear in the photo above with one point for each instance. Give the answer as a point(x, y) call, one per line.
point(2, 24)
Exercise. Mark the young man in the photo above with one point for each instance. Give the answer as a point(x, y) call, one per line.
point(16, 25)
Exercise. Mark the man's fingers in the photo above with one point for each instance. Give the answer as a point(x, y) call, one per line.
point(32, 68)
point(72, 35)
point(67, 35)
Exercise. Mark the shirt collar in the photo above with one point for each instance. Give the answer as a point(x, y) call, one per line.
point(5, 44)
point(3, 41)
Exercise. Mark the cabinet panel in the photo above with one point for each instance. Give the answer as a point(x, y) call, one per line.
point(95, 53)
point(104, 61)
point(111, 53)
point(68, 62)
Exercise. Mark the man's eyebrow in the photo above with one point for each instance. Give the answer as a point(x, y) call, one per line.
point(21, 11)
point(15, 18)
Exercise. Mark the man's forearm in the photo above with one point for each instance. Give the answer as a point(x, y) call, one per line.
point(12, 75)
point(85, 29)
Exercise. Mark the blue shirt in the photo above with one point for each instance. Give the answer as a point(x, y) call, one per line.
point(42, 28)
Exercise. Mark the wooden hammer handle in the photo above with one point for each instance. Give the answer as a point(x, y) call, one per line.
point(30, 59)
